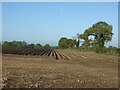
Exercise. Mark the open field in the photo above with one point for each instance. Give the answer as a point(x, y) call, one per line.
point(72, 69)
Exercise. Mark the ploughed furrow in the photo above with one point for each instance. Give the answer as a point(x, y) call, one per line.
point(36, 52)
point(61, 56)
point(46, 53)
point(49, 52)
point(43, 52)
point(65, 56)
point(56, 56)
point(52, 53)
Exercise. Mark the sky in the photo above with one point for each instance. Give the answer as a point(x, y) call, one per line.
point(119, 25)
point(0, 21)
point(47, 22)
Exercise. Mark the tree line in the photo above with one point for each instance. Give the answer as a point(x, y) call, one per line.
point(101, 33)
point(23, 44)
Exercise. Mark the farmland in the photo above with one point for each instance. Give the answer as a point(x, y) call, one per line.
point(59, 45)
point(59, 68)
point(29, 51)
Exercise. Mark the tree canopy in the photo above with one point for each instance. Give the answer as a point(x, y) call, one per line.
point(47, 46)
point(102, 33)
point(66, 43)
point(21, 44)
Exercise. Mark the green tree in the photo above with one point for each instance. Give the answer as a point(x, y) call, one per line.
point(63, 42)
point(16, 44)
point(24, 44)
point(102, 33)
point(38, 46)
point(47, 46)
point(30, 45)
point(70, 43)
point(66, 43)
point(7, 44)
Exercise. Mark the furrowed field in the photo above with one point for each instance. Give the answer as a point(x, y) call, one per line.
point(59, 45)
point(58, 68)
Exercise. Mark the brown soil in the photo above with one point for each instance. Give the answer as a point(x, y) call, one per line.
point(77, 70)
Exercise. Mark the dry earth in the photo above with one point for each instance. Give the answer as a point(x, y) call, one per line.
point(82, 70)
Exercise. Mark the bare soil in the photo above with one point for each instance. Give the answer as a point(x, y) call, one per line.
point(77, 70)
